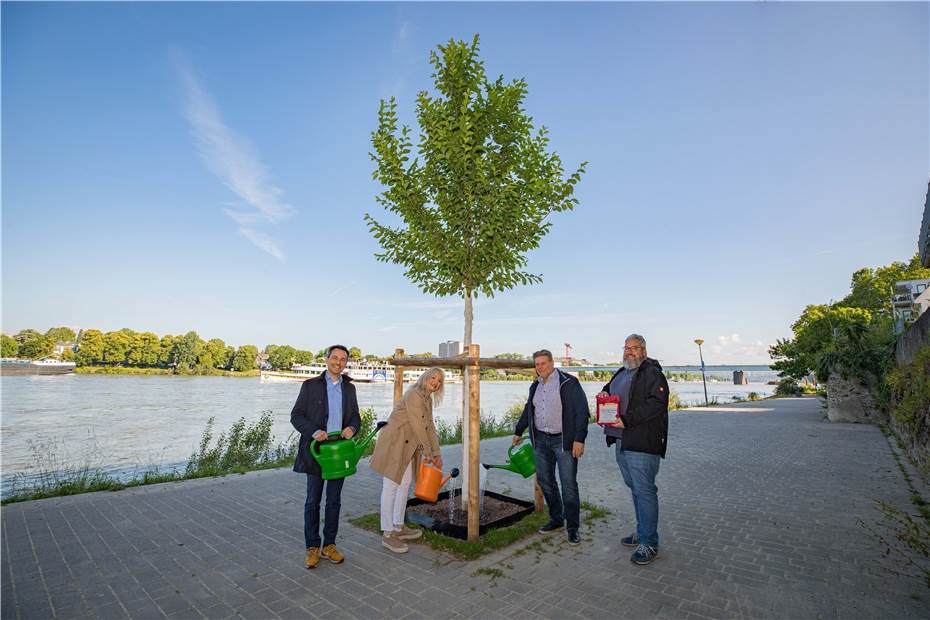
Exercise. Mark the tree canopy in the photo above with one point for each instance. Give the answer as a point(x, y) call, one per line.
point(477, 194)
point(853, 335)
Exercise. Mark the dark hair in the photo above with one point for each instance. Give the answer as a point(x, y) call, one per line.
point(543, 352)
point(336, 346)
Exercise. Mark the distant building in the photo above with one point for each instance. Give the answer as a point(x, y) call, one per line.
point(61, 347)
point(909, 300)
point(450, 348)
point(923, 241)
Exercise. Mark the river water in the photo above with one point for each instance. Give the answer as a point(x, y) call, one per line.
point(125, 424)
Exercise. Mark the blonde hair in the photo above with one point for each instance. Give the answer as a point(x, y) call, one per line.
point(421, 384)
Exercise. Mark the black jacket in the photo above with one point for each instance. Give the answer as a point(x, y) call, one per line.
point(646, 419)
point(311, 412)
point(575, 411)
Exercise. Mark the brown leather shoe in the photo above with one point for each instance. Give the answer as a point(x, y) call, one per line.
point(332, 554)
point(313, 557)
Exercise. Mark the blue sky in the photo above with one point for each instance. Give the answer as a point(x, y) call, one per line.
point(177, 166)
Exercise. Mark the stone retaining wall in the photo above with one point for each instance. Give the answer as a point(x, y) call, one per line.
point(849, 401)
point(914, 337)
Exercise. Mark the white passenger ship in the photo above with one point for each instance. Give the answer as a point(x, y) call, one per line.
point(362, 372)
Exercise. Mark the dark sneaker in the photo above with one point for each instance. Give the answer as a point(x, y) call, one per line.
point(551, 527)
point(630, 541)
point(573, 537)
point(644, 554)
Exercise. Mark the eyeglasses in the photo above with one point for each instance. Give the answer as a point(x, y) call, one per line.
point(631, 348)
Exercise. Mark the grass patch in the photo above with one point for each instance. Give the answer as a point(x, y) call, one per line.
point(492, 540)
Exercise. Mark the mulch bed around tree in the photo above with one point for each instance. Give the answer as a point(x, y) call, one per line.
point(492, 510)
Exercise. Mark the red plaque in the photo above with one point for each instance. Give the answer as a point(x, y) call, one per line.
point(608, 410)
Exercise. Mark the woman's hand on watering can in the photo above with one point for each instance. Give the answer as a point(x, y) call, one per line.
point(516, 440)
point(320, 435)
point(347, 432)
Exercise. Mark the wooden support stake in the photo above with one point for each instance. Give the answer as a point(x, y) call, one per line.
point(540, 500)
point(398, 378)
point(474, 438)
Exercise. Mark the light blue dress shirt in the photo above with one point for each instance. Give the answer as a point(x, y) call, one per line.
point(334, 398)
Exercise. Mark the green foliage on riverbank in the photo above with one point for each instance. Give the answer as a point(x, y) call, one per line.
point(853, 337)
point(243, 447)
point(488, 426)
point(910, 394)
point(121, 370)
point(186, 354)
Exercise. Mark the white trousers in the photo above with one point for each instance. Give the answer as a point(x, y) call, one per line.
point(394, 501)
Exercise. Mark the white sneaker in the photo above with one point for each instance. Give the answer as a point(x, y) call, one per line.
point(408, 533)
point(391, 542)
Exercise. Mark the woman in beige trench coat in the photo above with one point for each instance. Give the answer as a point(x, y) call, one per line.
point(410, 431)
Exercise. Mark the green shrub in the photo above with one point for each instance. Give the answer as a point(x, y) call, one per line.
point(244, 447)
point(788, 387)
point(910, 394)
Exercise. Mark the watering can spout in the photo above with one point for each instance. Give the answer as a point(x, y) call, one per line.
point(520, 461)
point(505, 466)
point(452, 474)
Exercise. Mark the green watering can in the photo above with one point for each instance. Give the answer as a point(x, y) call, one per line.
point(338, 458)
point(520, 462)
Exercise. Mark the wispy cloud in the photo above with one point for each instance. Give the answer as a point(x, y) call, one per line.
point(262, 241)
point(230, 158)
point(339, 289)
point(402, 59)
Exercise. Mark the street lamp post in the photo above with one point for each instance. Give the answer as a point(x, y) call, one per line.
point(699, 342)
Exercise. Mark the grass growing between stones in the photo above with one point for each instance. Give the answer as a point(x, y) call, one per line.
point(903, 536)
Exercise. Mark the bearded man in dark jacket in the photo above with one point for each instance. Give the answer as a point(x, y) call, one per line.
point(640, 436)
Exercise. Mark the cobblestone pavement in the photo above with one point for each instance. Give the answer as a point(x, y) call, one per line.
point(760, 518)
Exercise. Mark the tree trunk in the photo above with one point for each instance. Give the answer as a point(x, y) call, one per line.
point(466, 403)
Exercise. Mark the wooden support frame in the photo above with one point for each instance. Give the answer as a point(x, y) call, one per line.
point(473, 361)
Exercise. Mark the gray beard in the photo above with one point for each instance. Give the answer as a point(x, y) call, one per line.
point(632, 364)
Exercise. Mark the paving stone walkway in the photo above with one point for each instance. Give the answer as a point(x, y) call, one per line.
point(760, 511)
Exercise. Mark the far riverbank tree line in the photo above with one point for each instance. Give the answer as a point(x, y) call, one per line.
point(125, 348)
point(190, 354)
point(183, 354)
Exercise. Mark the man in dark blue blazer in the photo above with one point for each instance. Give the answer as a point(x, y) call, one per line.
point(326, 404)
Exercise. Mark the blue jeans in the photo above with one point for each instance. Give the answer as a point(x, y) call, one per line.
point(312, 510)
point(639, 470)
point(564, 508)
